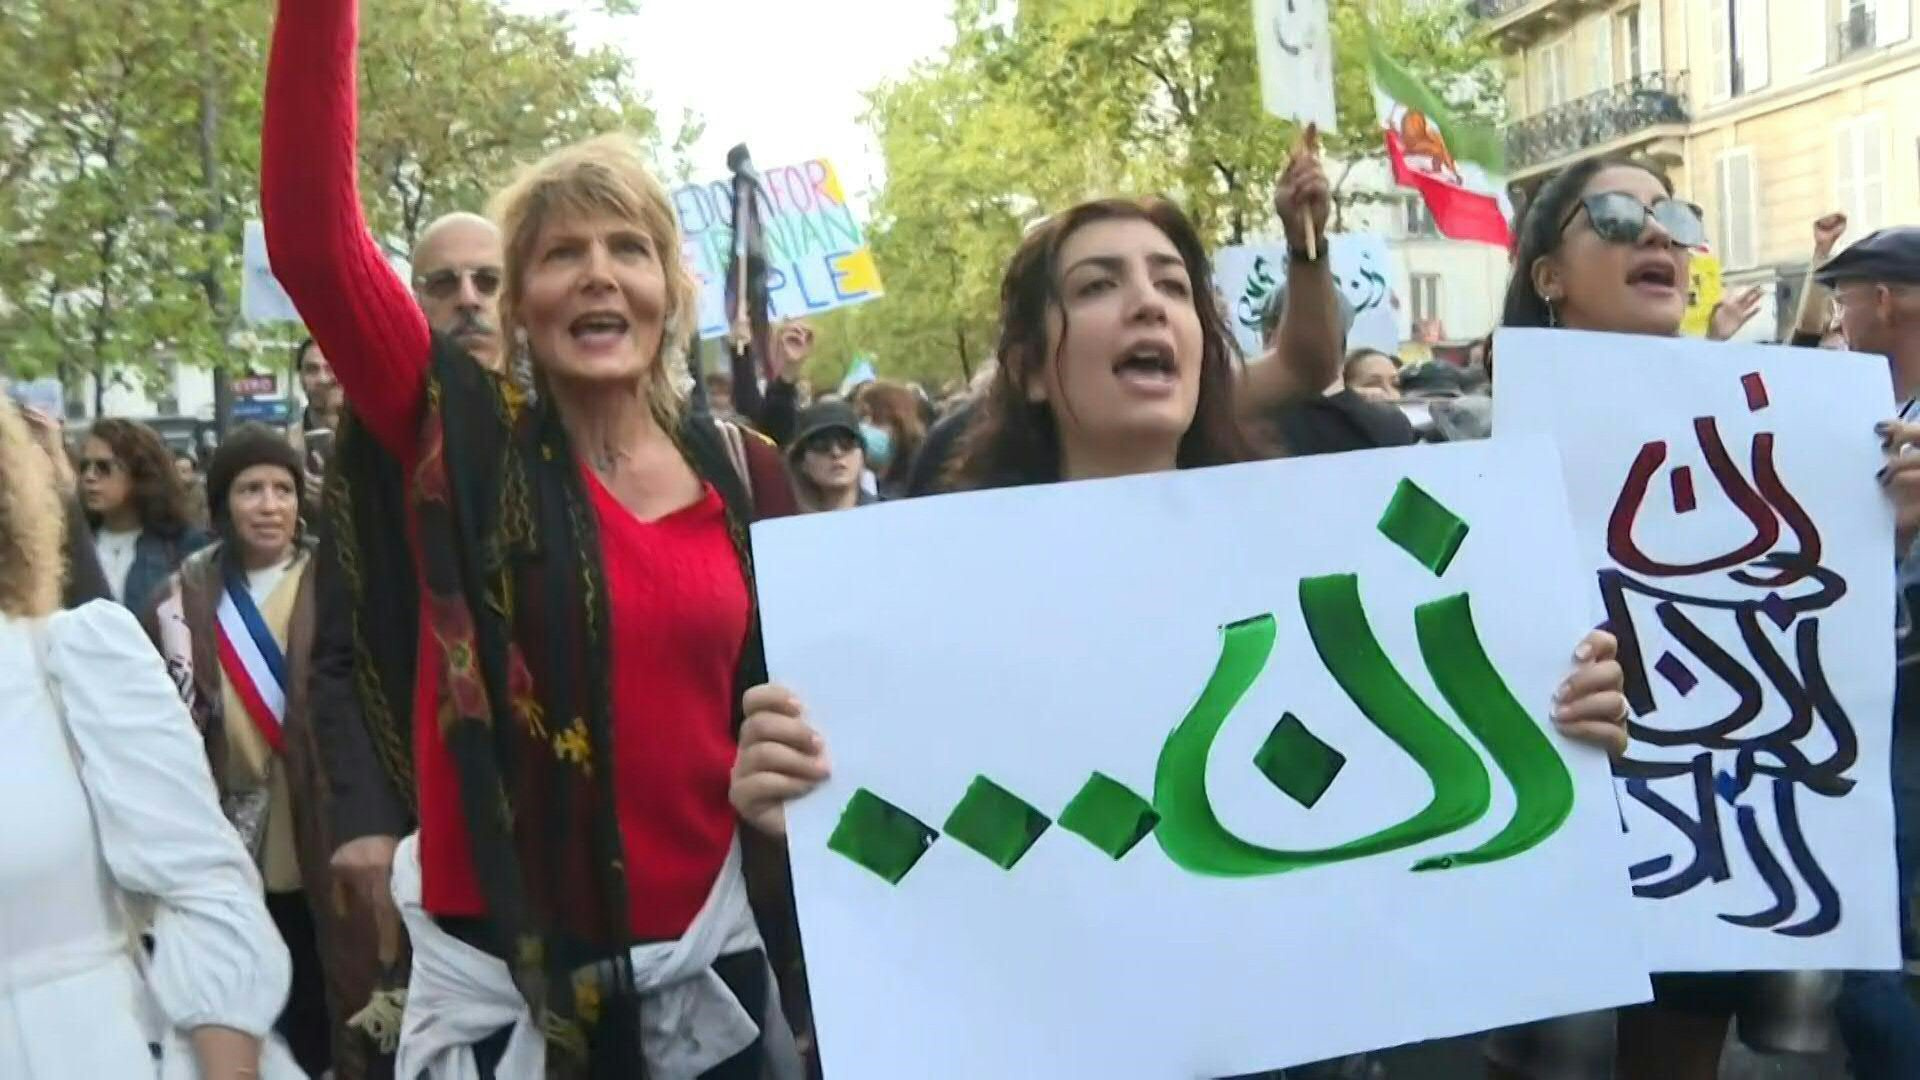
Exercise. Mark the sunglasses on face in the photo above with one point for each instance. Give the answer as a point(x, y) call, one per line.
point(98, 466)
point(834, 442)
point(1619, 218)
point(445, 284)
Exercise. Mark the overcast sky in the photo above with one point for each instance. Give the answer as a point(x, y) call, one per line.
point(806, 64)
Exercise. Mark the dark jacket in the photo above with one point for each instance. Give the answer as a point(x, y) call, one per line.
point(155, 558)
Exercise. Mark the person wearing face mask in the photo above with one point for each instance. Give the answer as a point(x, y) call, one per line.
point(1606, 246)
point(577, 895)
point(236, 627)
point(892, 429)
point(1113, 361)
point(828, 456)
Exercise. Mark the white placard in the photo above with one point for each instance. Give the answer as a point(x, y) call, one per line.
point(1727, 495)
point(1362, 267)
point(1295, 49)
point(262, 299)
point(1033, 637)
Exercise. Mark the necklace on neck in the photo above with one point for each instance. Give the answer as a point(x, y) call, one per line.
point(605, 459)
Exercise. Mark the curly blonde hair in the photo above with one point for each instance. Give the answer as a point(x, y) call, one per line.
point(604, 175)
point(32, 522)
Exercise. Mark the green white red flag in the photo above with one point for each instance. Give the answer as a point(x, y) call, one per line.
point(1452, 162)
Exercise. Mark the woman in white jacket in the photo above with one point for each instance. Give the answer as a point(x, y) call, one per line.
point(110, 816)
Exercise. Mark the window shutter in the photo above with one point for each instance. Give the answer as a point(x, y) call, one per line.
point(1872, 178)
point(1892, 21)
point(1736, 210)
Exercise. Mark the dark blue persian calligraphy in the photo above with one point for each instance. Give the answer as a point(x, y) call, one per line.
point(1742, 627)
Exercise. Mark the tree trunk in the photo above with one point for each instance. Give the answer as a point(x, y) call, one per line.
point(213, 223)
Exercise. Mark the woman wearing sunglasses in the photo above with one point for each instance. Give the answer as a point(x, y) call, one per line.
point(137, 509)
point(1607, 247)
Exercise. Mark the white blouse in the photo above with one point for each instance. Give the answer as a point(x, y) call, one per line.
point(104, 817)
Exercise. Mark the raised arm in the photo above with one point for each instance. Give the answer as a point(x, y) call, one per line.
point(358, 310)
point(1309, 343)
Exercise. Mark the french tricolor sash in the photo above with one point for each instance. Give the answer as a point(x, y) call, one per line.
point(252, 661)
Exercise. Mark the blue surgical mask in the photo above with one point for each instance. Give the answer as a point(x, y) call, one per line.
point(879, 446)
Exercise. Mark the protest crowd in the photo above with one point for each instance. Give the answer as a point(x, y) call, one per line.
point(433, 734)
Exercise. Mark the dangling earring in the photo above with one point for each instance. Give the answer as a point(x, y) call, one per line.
point(1553, 317)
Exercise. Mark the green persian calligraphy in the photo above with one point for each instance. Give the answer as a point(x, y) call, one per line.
point(1300, 764)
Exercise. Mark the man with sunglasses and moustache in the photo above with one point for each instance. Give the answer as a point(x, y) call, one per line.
point(363, 772)
point(1876, 296)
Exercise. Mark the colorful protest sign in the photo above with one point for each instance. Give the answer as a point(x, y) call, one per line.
point(1704, 290)
point(1295, 49)
point(1175, 787)
point(817, 255)
point(1726, 495)
point(1248, 275)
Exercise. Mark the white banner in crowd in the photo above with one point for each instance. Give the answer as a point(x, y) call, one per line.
point(1295, 49)
point(1727, 496)
point(1248, 275)
point(262, 300)
point(1174, 786)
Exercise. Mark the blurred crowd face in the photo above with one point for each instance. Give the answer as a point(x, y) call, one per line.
point(106, 484)
point(1634, 287)
point(317, 384)
point(1375, 377)
point(458, 269)
point(1124, 339)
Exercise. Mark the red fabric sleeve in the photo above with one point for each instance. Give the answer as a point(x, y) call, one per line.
point(359, 312)
point(767, 474)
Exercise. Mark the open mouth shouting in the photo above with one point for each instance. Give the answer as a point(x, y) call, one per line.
point(1655, 277)
point(1148, 367)
point(599, 330)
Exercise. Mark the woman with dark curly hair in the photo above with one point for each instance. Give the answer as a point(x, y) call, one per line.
point(136, 508)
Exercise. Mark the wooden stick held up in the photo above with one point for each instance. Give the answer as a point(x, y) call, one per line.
point(1310, 142)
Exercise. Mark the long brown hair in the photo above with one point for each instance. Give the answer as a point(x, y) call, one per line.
point(1012, 440)
point(895, 406)
point(157, 492)
point(32, 523)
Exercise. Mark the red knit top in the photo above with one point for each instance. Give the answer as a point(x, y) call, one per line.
point(678, 604)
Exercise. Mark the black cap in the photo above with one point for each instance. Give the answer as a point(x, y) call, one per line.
point(824, 416)
point(1890, 255)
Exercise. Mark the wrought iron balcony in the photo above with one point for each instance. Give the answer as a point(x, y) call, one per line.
point(1639, 104)
point(1853, 35)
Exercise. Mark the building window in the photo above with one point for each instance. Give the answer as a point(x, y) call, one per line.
point(1426, 297)
point(1860, 185)
point(1627, 33)
point(1737, 35)
point(1550, 76)
point(1738, 230)
point(1417, 219)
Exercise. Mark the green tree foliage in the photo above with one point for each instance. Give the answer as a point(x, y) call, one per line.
point(130, 144)
point(1054, 101)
